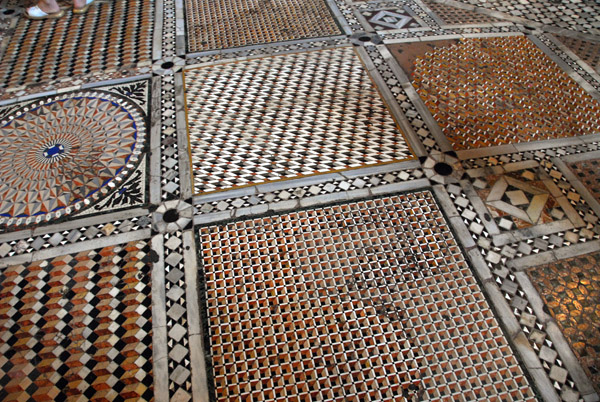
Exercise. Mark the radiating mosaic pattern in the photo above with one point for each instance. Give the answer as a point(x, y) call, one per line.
point(587, 51)
point(571, 290)
point(299, 114)
point(363, 301)
point(77, 327)
point(61, 154)
point(495, 91)
point(111, 35)
point(223, 24)
point(456, 16)
point(588, 172)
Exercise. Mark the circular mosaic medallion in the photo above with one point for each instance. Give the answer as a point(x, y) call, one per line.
point(62, 154)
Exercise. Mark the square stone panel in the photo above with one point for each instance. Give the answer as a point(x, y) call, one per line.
point(363, 301)
point(286, 116)
point(494, 91)
point(223, 24)
point(571, 291)
point(77, 327)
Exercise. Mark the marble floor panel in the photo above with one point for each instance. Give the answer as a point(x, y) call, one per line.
point(361, 301)
point(226, 24)
point(112, 40)
point(77, 326)
point(494, 91)
point(300, 114)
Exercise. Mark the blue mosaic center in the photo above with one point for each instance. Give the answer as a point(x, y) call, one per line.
point(54, 151)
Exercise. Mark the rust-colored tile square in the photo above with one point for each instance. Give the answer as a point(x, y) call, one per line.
point(495, 91)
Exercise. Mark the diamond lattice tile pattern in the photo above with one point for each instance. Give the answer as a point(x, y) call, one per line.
point(77, 327)
point(588, 172)
point(223, 24)
point(496, 91)
point(571, 290)
point(362, 301)
point(286, 116)
point(111, 35)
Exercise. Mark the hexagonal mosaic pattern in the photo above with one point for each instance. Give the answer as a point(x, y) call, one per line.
point(364, 301)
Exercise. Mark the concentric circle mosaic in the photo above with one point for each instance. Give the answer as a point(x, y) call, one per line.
point(64, 153)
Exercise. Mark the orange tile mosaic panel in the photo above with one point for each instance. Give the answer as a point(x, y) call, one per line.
point(223, 24)
point(571, 291)
point(370, 300)
point(495, 91)
point(588, 172)
point(286, 116)
point(77, 327)
point(112, 35)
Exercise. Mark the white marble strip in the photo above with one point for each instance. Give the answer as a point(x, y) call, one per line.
point(159, 324)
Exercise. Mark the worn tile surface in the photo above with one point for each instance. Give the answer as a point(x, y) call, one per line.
point(586, 50)
point(225, 24)
point(299, 114)
point(111, 37)
point(496, 91)
point(77, 327)
point(571, 291)
point(366, 301)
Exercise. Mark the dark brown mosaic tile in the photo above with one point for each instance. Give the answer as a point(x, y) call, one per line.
point(370, 300)
point(457, 16)
point(495, 91)
point(112, 36)
point(223, 24)
point(587, 51)
point(571, 290)
point(588, 172)
point(77, 327)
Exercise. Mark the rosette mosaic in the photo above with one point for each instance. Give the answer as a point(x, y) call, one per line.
point(62, 154)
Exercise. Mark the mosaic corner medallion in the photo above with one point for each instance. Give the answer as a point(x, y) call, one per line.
point(63, 154)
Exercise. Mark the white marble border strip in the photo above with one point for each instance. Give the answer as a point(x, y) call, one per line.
point(588, 69)
point(415, 99)
point(180, 32)
point(157, 37)
point(324, 199)
point(159, 324)
point(575, 182)
point(76, 248)
point(155, 141)
point(200, 386)
point(339, 17)
point(183, 141)
point(389, 99)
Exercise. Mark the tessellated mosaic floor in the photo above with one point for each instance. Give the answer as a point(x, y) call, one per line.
point(304, 200)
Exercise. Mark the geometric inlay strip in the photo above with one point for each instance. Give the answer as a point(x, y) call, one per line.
point(286, 116)
point(367, 301)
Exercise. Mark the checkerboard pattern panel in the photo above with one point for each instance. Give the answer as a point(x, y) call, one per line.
point(365, 301)
point(77, 327)
point(286, 116)
point(520, 96)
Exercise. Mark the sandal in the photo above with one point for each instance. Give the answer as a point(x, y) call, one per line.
point(83, 9)
point(36, 13)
